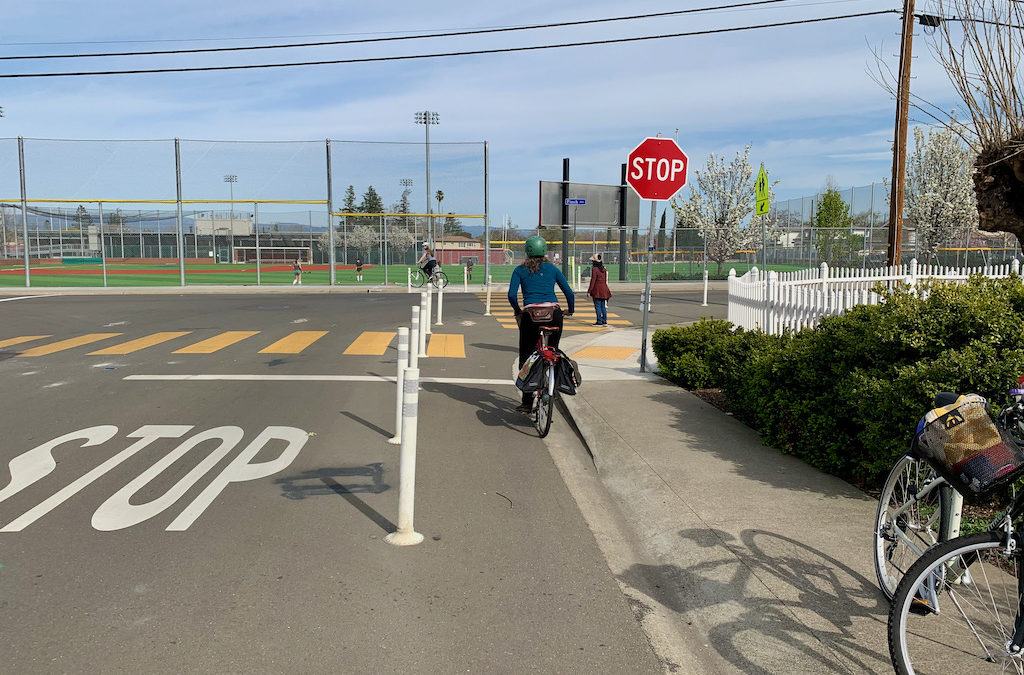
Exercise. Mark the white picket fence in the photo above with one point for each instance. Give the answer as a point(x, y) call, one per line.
point(794, 300)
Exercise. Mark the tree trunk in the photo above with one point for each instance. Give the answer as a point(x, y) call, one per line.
point(999, 187)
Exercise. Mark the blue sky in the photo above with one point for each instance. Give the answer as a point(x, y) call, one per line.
point(802, 96)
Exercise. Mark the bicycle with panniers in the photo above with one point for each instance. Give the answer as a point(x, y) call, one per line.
point(547, 373)
point(960, 606)
point(918, 507)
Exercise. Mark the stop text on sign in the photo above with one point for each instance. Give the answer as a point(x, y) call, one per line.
point(117, 512)
point(649, 168)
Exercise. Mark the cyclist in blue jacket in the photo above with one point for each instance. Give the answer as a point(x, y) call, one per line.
point(537, 278)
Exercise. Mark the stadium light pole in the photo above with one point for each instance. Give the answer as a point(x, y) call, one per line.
point(426, 118)
point(406, 184)
point(231, 179)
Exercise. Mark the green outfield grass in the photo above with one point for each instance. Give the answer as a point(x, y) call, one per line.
point(238, 274)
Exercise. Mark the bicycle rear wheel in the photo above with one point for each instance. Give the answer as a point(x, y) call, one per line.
point(905, 528)
point(440, 280)
point(956, 609)
point(545, 404)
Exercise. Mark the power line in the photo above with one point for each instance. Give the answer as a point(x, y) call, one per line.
point(421, 36)
point(476, 52)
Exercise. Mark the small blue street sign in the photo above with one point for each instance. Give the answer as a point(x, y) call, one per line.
point(570, 202)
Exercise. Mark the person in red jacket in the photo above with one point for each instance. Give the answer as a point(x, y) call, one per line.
point(598, 290)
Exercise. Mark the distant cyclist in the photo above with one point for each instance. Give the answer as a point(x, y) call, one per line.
point(429, 260)
point(537, 278)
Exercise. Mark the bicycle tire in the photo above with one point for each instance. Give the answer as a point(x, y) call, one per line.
point(923, 523)
point(545, 404)
point(440, 280)
point(977, 578)
point(418, 279)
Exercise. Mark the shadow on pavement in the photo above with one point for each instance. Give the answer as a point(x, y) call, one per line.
point(750, 460)
point(321, 482)
point(368, 424)
point(498, 348)
point(771, 604)
point(493, 410)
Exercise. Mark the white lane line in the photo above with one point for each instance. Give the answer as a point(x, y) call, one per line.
point(311, 378)
point(25, 297)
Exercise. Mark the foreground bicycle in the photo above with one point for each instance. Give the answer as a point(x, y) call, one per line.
point(438, 278)
point(960, 606)
point(544, 398)
point(918, 507)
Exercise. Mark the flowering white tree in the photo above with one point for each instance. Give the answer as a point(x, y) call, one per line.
point(364, 238)
point(720, 206)
point(400, 239)
point(940, 198)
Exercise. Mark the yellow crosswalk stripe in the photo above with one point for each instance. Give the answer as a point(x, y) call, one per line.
point(370, 343)
point(294, 343)
point(18, 340)
point(451, 346)
point(608, 353)
point(217, 342)
point(53, 347)
point(141, 343)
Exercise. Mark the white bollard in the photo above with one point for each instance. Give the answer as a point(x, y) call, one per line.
point(408, 280)
point(705, 289)
point(403, 363)
point(579, 279)
point(406, 535)
point(430, 308)
point(465, 280)
point(440, 306)
point(424, 321)
point(414, 340)
point(487, 312)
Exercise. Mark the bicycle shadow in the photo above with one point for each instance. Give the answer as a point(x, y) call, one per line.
point(771, 604)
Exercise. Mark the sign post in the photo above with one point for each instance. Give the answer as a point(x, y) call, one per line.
point(656, 170)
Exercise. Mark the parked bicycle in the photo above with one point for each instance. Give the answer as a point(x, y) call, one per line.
point(960, 605)
point(437, 278)
point(918, 508)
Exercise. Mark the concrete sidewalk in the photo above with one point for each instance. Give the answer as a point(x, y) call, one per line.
point(767, 559)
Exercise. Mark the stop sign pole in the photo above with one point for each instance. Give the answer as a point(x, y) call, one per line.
point(656, 170)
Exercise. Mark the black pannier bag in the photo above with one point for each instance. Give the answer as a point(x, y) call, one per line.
point(531, 374)
point(567, 374)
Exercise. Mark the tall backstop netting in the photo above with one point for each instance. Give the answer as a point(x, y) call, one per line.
point(201, 204)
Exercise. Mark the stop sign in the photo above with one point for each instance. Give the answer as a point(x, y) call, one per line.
point(656, 168)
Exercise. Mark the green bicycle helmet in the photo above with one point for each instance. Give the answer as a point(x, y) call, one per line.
point(536, 246)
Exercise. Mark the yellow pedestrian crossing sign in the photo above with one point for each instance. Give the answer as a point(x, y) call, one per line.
point(762, 192)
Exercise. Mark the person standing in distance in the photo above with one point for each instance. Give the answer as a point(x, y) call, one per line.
point(537, 278)
point(598, 290)
point(297, 268)
point(359, 269)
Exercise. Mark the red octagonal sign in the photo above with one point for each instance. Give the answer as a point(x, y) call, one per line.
point(656, 168)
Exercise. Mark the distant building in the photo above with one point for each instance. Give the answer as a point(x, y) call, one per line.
point(457, 250)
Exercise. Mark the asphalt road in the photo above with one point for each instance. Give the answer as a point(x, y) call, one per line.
point(236, 525)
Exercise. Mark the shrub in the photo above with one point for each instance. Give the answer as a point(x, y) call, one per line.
point(846, 396)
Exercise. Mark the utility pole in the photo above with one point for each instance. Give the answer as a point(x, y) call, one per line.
point(899, 155)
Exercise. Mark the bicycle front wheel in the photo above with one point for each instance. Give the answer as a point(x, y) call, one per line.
point(956, 608)
point(418, 278)
point(906, 527)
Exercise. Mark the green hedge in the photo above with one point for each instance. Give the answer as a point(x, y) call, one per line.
point(846, 396)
